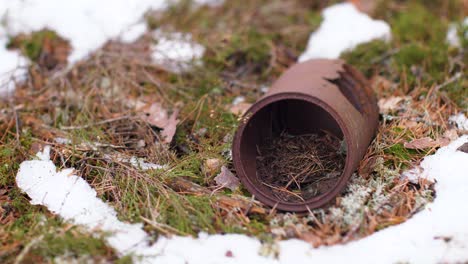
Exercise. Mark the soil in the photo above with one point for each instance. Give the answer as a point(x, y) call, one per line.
point(297, 168)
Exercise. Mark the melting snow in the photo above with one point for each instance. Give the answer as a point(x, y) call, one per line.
point(212, 3)
point(343, 28)
point(460, 121)
point(88, 24)
point(176, 51)
point(239, 99)
point(133, 32)
point(71, 197)
point(452, 34)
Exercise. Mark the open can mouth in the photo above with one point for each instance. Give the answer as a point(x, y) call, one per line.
point(296, 148)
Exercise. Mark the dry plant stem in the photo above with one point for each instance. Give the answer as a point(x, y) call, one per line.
point(95, 124)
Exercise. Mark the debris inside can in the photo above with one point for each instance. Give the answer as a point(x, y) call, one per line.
point(299, 167)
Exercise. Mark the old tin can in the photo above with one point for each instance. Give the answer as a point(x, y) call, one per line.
point(316, 95)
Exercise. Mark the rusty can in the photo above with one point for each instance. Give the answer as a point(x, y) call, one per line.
point(316, 95)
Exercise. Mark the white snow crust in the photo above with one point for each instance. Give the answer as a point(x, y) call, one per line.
point(343, 28)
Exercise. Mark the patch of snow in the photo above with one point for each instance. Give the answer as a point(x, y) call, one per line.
point(452, 34)
point(212, 3)
point(239, 99)
point(71, 197)
point(460, 121)
point(264, 89)
point(63, 141)
point(343, 28)
point(414, 174)
point(134, 32)
point(176, 51)
point(87, 24)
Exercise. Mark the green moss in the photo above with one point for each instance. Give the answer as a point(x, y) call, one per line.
point(462, 33)
point(72, 243)
point(366, 57)
point(314, 18)
point(125, 260)
point(399, 152)
point(458, 92)
point(417, 24)
point(249, 49)
point(188, 214)
point(424, 63)
point(410, 55)
point(418, 51)
point(31, 45)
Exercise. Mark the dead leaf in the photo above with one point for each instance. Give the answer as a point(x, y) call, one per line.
point(229, 254)
point(227, 179)
point(380, 83)
point(422, 143)
point(155, 114)
point(451, 134)
point(463, 148)
point(240, 108)
point(427, 142)
point(443, 142)
point(169, 130)
point(405, 123)
point(390, 104)
point(312, 239)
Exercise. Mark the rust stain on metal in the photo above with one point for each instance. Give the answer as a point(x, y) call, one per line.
point(313, 96)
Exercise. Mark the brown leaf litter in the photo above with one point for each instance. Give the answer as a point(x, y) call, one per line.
point(463, 148)
point(156, 115)
point(426, 142)
point(391, 103)
point(227, 179)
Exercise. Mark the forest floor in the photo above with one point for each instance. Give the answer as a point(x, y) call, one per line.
point(98, 115)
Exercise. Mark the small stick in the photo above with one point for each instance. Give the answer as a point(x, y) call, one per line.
point(95, 124)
